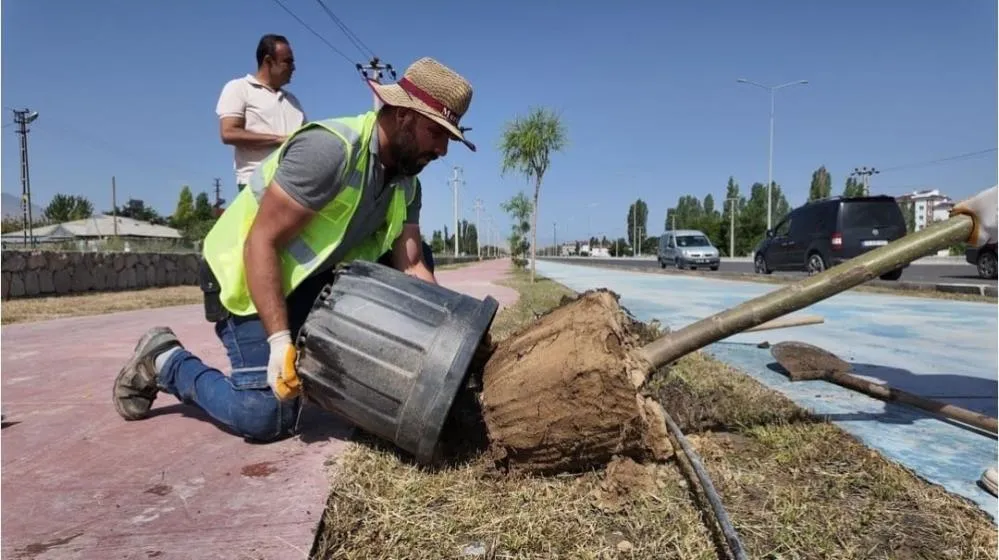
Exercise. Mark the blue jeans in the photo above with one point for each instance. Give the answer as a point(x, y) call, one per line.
point(243, 401)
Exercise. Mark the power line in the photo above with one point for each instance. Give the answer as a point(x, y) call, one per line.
point(314, 32)
point(967, 155)
point(351, 36)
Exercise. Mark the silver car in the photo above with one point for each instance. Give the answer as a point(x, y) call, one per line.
point(687, 248)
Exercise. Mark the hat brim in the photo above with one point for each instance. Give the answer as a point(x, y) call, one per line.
point(393, 94)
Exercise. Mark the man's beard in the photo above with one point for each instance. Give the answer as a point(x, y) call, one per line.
point(405, 152)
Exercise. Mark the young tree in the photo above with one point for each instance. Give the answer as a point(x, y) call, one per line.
point(520, 209)
point(527, 146)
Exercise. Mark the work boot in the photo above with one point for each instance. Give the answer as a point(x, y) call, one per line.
point(989, 480)
point(135, 388)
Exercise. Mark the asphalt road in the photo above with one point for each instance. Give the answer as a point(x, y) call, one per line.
point(923, 273)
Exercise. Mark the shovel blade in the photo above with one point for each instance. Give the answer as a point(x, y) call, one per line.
point(804, 361)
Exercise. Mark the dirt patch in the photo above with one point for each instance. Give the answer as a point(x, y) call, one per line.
point(625, 482)
point(257, 470)
point(562, 394)
point(159, 490)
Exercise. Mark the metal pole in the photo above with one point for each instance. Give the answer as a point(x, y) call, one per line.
point(478, 229)
point(770, 165)
point(770, 157)
point(731, 227)
point(114, 206)
point(454, 185)
point(22, 118)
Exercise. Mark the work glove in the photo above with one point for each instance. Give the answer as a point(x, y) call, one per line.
point(281, 374)
point(984, 210)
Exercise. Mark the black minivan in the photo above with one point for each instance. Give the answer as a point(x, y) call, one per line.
point(827, 232)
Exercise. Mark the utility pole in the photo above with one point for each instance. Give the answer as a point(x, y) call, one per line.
point(770, 158)
point(865, 176)
point(22, 118)
point(478, 231)
point(455, 182)
point(114, 206)
point(373, 71)
point(219, 201)
point(731, 227)
point(555, 237)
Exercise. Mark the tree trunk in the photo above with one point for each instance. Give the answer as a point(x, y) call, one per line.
point(534, 228)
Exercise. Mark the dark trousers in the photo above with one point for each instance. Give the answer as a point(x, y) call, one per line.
point(243, 401)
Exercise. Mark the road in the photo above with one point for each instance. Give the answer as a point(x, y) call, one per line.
point(918, 272)
point(940, 349)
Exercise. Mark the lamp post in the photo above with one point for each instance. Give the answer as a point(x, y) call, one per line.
point(23, 118)
point(770, 158)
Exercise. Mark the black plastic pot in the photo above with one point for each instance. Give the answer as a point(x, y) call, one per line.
point(390, 352)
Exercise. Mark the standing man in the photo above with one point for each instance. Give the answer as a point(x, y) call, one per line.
point(337, 190)
point(255, 113)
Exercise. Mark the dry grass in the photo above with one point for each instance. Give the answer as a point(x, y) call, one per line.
point(794, 486)
point(798, 486)
point(44, 308)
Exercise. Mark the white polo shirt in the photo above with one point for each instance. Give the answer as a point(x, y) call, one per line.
point(263, 110)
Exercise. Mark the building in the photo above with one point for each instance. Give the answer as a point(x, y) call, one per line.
point(93, 232)
point(929, 206)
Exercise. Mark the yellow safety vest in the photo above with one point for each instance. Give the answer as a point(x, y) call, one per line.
point(223, 246)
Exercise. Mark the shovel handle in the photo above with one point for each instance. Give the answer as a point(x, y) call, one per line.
point(887, 393)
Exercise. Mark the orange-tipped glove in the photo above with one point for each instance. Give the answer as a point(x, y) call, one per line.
point(984, 209)
point(281, 374)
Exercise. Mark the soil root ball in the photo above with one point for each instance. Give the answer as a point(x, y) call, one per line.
point(562, 394)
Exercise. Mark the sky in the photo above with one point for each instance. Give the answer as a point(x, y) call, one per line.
point(647, 92)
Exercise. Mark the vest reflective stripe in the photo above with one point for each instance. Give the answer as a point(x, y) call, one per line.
point(223, 246)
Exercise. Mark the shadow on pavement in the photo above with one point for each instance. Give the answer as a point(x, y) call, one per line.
point(315, 425)
point(954, 389)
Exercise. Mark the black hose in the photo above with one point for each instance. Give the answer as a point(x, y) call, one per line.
point(709, 489)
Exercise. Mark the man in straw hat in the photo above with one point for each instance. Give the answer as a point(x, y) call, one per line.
point(334, 191)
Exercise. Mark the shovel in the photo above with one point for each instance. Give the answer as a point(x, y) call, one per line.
point(804, 361)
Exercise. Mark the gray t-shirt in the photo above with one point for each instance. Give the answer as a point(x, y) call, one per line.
point(309, 170)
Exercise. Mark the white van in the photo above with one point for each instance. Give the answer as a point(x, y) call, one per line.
point(687, 248)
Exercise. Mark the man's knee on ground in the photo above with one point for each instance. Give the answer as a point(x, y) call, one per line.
point(262, 420)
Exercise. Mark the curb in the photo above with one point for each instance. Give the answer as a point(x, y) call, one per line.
point(901, 286)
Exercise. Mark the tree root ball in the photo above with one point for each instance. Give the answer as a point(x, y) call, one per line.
point(562, 394)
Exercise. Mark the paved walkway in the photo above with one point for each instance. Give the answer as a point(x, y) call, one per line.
point(940, 349)
point(80, 482)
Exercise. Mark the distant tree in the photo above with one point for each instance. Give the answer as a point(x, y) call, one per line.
point(184, 213)
point(638, 212)
point(527, 147)
point(203, 207)
point(853, 187)
point(137, 210)
point(821, 186)
point(437, 242)
point(68, 208)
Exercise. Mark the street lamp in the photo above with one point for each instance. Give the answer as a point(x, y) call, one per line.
point(770, 159)
point(23, 118)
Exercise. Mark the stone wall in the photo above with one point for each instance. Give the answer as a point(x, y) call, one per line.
point(44, 273)
point(28, 274)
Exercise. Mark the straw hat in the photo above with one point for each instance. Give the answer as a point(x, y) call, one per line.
point(433, 90)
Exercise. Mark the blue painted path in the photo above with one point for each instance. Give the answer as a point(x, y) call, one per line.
point(945, 350)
